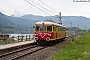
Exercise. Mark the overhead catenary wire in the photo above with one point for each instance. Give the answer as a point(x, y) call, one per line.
point(60, 18)
point(51, 8)
point(45, 8)
point(40, 6)
point(35, 6)
point(48, 6)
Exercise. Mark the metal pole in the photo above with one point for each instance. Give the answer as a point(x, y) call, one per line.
point(60, 16)
point(70, 27)
point(78, 29)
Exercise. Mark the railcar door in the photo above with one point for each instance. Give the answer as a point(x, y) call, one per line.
point(54, 32)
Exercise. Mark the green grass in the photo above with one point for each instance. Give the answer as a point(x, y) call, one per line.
point(77, 50)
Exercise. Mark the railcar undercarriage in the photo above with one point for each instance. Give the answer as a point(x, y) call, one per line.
point(44, 42)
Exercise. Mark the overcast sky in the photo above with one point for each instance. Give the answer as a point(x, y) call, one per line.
point(66, 7)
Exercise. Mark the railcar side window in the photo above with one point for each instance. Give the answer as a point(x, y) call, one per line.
point(54, 28)
point(61, 29)
point(37, 28)
point(49, 28)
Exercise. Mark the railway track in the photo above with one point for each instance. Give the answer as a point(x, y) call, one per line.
point(27, 53)
point(11, 52)
point(13, 55)
point(19, 53)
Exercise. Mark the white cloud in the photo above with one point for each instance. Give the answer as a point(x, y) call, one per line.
point(67, 7)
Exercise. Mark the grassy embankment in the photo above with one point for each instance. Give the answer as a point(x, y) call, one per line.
point(77, 50)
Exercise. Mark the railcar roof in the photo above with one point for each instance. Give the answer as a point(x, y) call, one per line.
point(50, 23)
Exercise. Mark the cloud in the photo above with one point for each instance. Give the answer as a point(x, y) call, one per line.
point(67, 7)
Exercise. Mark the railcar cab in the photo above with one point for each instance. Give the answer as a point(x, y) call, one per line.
point(43, 31)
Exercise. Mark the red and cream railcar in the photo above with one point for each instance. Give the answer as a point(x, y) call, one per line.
point(48, 31)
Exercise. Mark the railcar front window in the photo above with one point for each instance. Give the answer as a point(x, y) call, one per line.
point(37, 28)
point(42, 28)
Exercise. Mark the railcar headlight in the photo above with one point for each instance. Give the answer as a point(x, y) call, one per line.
point(49, 34)
point(36, 38)
point(36, 34)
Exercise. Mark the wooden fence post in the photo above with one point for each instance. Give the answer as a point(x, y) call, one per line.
point(22, 38)
point(26, 37)
point(18, 38)
point(12, 39)
point(29, 37)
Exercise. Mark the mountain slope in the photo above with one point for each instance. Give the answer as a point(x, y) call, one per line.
point(78, 21)
point(21, 22)
point(4, 20)
point(29, 20)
